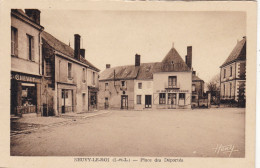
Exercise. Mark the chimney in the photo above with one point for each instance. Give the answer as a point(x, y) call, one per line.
point(194, 73)
point(188, 58)
point(107, 66)
point(82, 52)
point(77, 46)
point(137, 60)
point(33, 14)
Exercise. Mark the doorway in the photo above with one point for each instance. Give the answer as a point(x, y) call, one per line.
point(124, 102)
point(148, 101)
point(171, 100)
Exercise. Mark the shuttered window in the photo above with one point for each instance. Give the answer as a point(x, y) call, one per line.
point(14, 41)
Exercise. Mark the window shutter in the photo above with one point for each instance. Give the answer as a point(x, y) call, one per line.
point(28, 44)
point(32, 43)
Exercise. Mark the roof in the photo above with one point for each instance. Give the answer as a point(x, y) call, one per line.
point(63, 48)
point(238, 53)
point(145, 70)
point(196, 78)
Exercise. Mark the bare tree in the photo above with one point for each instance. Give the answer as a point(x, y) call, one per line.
point(214, 83)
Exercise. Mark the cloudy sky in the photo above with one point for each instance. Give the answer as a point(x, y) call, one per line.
point(114, 37)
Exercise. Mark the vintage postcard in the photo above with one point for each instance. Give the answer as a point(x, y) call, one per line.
point(128, 84)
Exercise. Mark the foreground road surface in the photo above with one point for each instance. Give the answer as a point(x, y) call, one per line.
point(172, 133)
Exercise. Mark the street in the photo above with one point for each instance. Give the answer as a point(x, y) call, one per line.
point(160, 133)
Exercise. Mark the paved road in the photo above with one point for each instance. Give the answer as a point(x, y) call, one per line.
point(175, 133)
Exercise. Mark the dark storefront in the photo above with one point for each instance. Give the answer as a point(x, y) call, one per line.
point(92, 91)
point(25, 93)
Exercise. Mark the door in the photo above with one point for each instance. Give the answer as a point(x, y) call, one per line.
point(124, 102)
point(171, 100)
point(106, 103)
point(148, 101)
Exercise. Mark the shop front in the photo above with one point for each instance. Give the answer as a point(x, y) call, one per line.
point(25, 94)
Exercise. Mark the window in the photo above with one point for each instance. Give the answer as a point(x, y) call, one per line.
point(69, 70)
point(140, 85)
point(231, 71)
point(230, 89)
point(172, 81)
point(64, 94)
point(181, 95)
point(83, 75)
point(14, 42)
point(106, 86)
point(139, 99)
point(30, 47)
point(224, 90)
point(224, 73)
point(93, 78)
point(123, 84)
point(162, 98)
point(193, 87)
point(84, 99)
point(48, 67)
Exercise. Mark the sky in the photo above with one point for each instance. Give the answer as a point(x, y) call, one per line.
point(114, 37)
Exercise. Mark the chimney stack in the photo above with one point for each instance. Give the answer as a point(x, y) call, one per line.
point(188, 58)
point(107, 66)
point(33, 14)
point(77, 46)
point(82, 52)
point(137, 60)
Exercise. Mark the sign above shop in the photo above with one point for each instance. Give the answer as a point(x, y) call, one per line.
point(172, 91)
point(25, 78)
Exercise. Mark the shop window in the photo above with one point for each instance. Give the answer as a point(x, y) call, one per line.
point(83, 75)
point(30, 47)
point(65, 94)
point(172, 81)
point(28, 94)
point(162, 98)
point(69, 70)
point(181, 95)
point(139, 99)
point(230, 71)
point(140, 85)
point(14, 42)
point(106, 86)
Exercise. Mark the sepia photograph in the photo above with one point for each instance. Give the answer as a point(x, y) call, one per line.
point(130, 85)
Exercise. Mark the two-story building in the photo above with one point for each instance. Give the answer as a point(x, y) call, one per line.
point(233, 75)
point(26, 61)
point(165, 84)
point(70, 82)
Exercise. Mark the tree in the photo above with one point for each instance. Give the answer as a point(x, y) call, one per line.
point(214, 89)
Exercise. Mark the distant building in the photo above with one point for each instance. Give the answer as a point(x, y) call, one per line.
point(70, 82)
point(165, 84)
point(197, 89)
point(26, 61)
point(233, 75)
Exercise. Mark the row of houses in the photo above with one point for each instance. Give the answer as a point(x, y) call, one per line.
point(168, 84)
point(48, 77)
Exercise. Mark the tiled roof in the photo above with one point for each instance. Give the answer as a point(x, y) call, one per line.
point(196, 78)
point(146, 70)
point(238, 53)
point(63, 48)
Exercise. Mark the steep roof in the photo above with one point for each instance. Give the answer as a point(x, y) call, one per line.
point(63, 48)
point(196, 78)
point(238, 53)
point(146, 70)
point(173, 62)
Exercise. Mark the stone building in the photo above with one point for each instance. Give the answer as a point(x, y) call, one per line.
point(26, 61)
point(165, 84)
point(70, 82)
point(197, 89)
point(233, 75)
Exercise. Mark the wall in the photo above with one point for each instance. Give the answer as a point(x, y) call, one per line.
point(21, 62)
point(114, 93)
point(147, 89)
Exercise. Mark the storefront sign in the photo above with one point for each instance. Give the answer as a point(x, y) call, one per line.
point(172, 91)
point(23, 78)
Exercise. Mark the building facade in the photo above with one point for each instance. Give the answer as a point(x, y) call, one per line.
point(26, 61)
point(233, 75)
point(166, 84)
point(70, 82)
